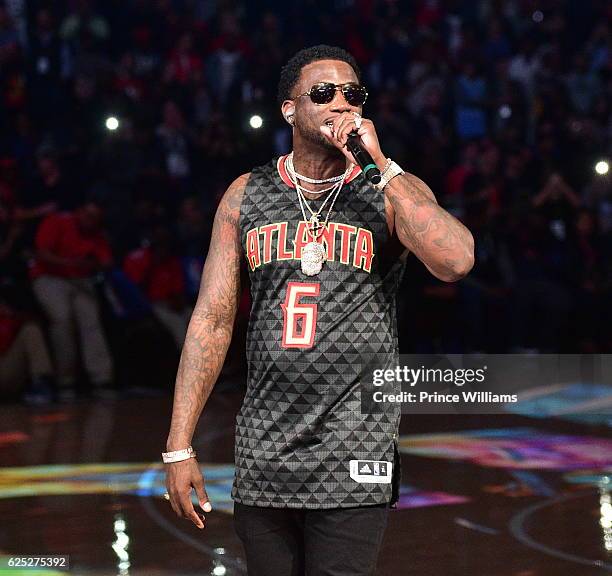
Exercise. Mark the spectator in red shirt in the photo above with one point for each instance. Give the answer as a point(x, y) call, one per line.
point(158, 271)
point(71, 249)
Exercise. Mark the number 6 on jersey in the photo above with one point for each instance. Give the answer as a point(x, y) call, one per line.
point(299, 320)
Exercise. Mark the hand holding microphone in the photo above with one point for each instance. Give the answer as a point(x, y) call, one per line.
point(370, 170)
point(354, 144)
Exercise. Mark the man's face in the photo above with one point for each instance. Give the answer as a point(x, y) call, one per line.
point(309, 117)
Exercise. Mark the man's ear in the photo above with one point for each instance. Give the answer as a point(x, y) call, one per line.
point(288, 111)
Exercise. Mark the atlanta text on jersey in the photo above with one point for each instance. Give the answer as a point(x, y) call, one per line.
point(348, 244)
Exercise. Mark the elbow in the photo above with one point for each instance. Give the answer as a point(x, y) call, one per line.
point(465, 264)
point(468, 264)
point(464, 270)
point(457, 270)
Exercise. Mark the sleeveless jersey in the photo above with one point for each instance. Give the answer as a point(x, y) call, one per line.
point(301, 422)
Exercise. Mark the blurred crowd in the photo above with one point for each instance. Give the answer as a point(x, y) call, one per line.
point(122, 123)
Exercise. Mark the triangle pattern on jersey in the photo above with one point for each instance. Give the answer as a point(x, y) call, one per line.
point(301, 422)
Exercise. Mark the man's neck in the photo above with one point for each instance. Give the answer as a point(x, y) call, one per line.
point(314, 161)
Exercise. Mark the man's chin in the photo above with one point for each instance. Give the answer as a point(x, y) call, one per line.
point(329, 147)
point(317, 138)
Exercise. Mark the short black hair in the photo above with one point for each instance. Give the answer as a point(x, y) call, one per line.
point(291, 71)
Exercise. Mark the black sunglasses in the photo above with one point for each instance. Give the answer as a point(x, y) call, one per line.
point(324, 92)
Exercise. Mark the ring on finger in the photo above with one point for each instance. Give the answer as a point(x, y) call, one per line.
point(357, 120)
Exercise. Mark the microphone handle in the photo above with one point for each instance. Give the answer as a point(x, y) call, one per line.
point(370, 170)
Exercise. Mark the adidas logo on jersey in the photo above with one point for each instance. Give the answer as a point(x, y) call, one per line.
point(371, 471)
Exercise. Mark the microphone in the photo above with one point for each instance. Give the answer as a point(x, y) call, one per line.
point(370, 170)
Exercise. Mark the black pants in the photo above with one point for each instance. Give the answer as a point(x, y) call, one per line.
point(300, 542)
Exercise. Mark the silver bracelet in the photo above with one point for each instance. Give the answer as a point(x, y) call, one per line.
point(178, 455)
point(390, 171)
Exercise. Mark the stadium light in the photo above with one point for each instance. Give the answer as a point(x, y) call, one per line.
point(505, 111)
point(256, 121)
point(602, 167)
point(112, 123)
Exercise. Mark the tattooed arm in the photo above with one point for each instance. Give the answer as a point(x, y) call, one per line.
point(438, 239)
point(206, 344)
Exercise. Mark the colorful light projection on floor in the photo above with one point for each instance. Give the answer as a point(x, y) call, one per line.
point(411, 497)
point(514, 448)
point(147, 480)
point(583, 403)
point(14, 437)
point(116, 478)
point(598, 478)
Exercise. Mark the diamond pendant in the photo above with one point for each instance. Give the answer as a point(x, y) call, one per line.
point(313, 256)
point(314, 223)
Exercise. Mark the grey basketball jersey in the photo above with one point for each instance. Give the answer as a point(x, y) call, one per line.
point(301, 425)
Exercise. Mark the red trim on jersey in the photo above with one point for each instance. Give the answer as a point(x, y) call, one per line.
point(282, 172)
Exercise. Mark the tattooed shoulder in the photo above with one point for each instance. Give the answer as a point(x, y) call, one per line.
point(229, 207)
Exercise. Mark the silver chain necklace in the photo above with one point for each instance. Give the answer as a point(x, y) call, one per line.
point(313, 253)
point(296, 176)
point(314, 215)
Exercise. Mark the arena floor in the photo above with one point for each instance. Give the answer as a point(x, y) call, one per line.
point(481, 496)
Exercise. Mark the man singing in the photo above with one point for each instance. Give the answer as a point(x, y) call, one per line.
point(315, 476)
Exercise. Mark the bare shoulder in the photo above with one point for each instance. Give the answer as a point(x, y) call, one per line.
point(229, 207)
point(220, 284)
